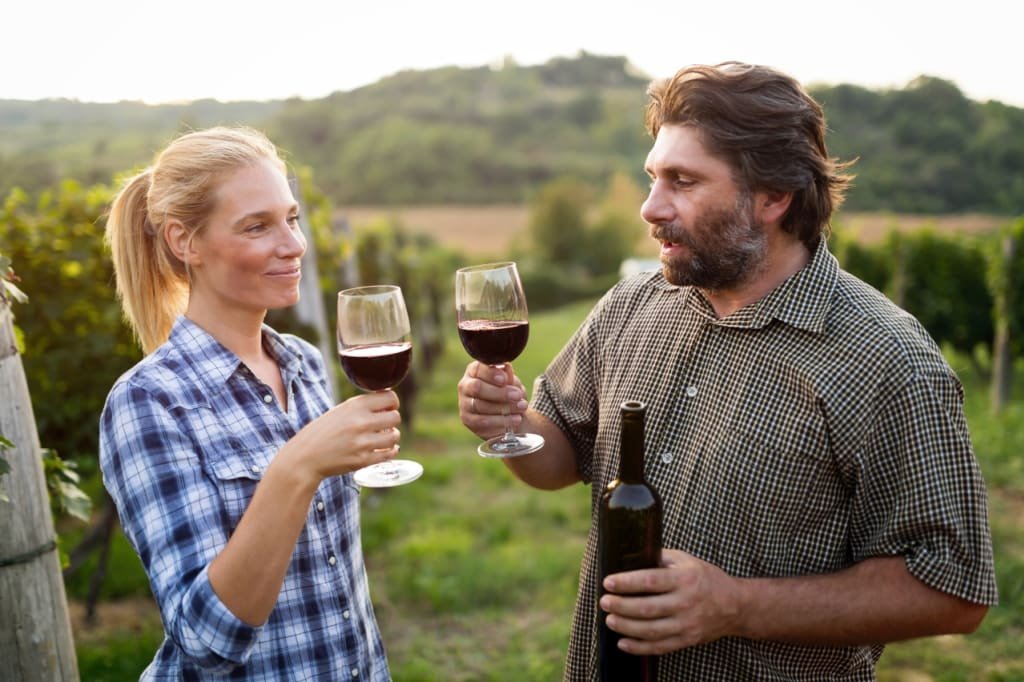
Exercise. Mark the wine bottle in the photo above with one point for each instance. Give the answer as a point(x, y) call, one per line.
point(629, 539)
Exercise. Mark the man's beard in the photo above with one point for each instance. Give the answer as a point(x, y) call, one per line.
point(726, 248)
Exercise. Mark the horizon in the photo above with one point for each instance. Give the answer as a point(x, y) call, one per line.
point(493, 66)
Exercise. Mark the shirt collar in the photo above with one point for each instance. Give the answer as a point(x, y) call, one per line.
point(801, 301)
point(214, 364)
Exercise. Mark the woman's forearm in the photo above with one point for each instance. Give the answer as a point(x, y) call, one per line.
point(248, 573)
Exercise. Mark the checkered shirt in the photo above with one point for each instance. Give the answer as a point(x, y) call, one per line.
point(808, 431)
point(185, 437)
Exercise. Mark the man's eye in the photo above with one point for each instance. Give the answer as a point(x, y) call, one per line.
point(257, 227)
point(294, 220)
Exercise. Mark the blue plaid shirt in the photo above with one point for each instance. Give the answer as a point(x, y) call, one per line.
point(185, 437)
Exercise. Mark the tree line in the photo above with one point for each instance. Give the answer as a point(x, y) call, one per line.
point(498, 134)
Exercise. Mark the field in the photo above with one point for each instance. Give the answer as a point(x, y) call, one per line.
point(490, 231)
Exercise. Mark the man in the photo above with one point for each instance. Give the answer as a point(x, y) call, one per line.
point(821, 496)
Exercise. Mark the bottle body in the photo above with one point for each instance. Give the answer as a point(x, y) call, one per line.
point(629, 539)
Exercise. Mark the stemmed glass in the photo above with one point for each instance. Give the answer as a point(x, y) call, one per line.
point(491, 309)
point(375, 347)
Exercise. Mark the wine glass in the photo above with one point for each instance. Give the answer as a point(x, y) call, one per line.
point(491, 309)
point(375, 347)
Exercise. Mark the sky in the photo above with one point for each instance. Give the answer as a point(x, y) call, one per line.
point(181, 50)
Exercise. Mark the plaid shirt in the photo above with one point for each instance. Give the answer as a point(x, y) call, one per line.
point(813, 429)
point(185, 437)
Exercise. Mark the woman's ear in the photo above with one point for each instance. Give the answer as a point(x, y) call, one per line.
point(179, 240)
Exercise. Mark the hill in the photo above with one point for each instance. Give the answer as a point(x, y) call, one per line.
point(495, 134)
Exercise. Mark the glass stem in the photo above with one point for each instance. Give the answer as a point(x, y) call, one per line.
point(388, 467)
point(506, 412)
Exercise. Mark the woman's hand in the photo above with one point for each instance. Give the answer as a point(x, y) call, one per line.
point(356, 433)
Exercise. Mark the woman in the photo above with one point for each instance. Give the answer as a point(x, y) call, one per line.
point(228, 464)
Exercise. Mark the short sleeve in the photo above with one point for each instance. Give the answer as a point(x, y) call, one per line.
point(921, 493)
point(566, 393)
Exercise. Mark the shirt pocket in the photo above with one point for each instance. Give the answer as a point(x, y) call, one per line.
point(236, 475)
point(774, 499)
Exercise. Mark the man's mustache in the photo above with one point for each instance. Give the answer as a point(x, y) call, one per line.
point(670, 232)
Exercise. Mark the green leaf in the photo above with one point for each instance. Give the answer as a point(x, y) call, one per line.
point(75, 502)
point(13, 291)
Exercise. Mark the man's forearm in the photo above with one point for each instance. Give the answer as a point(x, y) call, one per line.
point(873, 602)
point(554, 465)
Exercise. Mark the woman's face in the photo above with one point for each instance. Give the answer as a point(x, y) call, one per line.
point(248, 257)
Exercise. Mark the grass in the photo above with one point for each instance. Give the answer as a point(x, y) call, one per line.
point(474, 575)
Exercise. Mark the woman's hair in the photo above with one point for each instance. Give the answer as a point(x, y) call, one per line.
point(181, 184)
point(766, 127)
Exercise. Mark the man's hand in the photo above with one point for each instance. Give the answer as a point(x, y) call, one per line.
point(683, 603)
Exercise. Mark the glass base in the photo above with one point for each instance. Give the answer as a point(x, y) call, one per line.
point(388, 474)
point(516, 445)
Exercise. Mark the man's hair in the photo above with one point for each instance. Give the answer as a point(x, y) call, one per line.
point(766, 127)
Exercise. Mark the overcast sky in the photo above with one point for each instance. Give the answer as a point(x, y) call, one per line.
point(176, 50)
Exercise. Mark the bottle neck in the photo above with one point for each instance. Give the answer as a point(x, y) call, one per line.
point(631, 452)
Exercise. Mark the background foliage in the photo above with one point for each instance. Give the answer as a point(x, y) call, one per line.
point(486, 134)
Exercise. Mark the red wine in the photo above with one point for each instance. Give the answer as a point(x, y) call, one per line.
point(494, 341)
point(628, 539)
point(378, 366)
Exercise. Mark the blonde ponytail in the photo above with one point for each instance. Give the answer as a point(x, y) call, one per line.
point(151, 283)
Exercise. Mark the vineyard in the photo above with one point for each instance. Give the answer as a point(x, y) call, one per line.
point(473, 575)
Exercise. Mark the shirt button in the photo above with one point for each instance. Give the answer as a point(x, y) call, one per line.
point(346, 614)
point(355, 673)
point(255, 469)
point(666, 457)
point(332, 560)
point(691, 391)
point(319, 506)
point(268, 399)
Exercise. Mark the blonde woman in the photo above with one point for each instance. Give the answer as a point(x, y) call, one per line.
point(229, 466)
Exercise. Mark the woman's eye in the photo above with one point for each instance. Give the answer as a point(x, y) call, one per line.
point(294, 220)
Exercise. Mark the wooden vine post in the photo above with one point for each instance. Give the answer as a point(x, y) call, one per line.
point(35, 630)
point(1006, 305)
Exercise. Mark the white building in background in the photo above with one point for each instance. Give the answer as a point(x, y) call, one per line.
point(632, 266)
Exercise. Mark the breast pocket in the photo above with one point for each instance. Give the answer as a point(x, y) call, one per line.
point(236, 475)
point(775, 497)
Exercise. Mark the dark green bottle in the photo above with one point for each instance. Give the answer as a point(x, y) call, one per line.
point(629, 538)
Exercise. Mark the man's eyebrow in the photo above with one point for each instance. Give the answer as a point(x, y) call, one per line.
point(675, 169)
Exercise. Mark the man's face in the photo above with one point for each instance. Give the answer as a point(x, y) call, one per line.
point(710, 235)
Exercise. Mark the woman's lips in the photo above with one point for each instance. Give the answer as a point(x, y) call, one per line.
point(285, 272)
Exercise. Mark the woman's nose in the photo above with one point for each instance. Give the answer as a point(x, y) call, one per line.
point(293, 243)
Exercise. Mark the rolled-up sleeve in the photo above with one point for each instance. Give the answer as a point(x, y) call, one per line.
point(171, 513)
point(921, 493)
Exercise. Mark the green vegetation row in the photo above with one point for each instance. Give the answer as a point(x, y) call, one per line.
point(485, 134)
point(468, 548)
